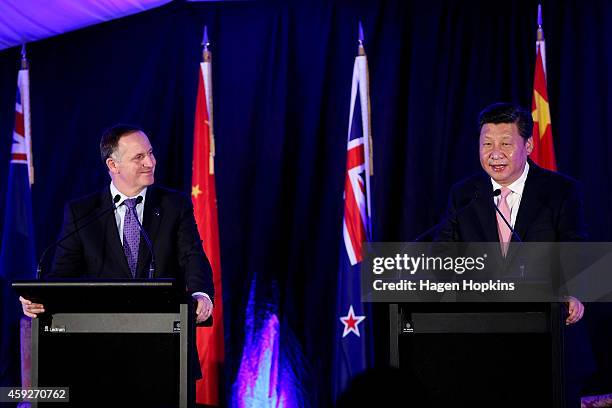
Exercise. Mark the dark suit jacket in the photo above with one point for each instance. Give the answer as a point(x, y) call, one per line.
point(551, 210)
point(96, 250)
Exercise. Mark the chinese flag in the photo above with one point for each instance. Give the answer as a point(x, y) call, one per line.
point(543, 149)
point(203, 193)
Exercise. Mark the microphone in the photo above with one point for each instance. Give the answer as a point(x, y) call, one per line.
point(447, 218)
point(80, 227)
point(496, 193)
point(151, 274)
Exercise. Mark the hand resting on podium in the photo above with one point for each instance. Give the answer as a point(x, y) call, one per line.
point(203, 309)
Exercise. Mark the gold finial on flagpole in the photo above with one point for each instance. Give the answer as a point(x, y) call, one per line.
point(360, 49)
point(206, 55)
point(24, 60)
point(540, 35)
point(207, 59)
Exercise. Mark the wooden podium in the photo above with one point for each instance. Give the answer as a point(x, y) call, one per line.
point(114, 343)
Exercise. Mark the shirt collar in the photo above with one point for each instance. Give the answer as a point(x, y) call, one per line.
point(114, 191)
point(519, 184)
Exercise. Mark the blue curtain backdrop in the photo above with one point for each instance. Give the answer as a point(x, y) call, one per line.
point(282, 75)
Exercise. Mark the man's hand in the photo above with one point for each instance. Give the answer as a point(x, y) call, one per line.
point(31, 309)
point(575, 310)
point(204, 309)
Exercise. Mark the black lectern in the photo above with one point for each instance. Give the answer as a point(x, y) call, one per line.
point(114, 342)
point(477, 354)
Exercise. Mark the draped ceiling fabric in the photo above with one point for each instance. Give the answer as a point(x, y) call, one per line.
point(282, 79)
point(30, 20)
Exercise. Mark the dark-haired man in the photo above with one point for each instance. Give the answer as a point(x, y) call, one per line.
point(540, 205)
point(505, 143)
point(111, 247)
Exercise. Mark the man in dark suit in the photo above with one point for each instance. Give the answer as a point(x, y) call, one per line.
point(112, 247)
point(540, 205)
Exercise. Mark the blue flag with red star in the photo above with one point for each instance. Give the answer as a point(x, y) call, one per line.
point(353, 336)
point(17, 257)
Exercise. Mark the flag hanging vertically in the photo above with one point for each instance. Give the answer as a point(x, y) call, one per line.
point(543, 148)
point(209, 340)
point(353, 336)
point(17, 257)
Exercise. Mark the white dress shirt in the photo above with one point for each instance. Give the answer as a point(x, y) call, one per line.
point(514, 198)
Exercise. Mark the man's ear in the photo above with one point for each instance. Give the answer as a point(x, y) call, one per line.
point(529, 145)
point(111, 164)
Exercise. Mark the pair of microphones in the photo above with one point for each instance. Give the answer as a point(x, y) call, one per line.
point(113, 207)
point(456, 213)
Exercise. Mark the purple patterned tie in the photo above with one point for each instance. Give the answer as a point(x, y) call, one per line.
point(131, 235)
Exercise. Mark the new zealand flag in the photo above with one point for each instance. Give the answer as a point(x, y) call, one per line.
point(353, 337)
point(17, 257)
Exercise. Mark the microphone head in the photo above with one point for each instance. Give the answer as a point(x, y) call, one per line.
point(496, 192)
point(116, 199)
point(139, 200)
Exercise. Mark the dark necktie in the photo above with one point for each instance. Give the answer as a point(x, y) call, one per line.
point(131, 235)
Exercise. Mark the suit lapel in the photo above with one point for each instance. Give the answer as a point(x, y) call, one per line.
point(112, 236)
point(486, 211)
point(484, 208)
point(530, 203)
point(529, 207)
point(150, 223)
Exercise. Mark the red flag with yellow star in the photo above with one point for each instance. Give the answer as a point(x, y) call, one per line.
point(204, 196)
point(543, 148)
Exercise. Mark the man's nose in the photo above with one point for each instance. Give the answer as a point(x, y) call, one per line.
point(148, 161)
point(496, 153)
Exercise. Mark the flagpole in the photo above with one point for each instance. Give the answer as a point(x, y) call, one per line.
point(543, 153)
point(364, 95)
point(207, 73)
point(25, 323)
point(18, 253)
point(353, 341)
point(540, 42)
point(24, 79)
point(209, 389)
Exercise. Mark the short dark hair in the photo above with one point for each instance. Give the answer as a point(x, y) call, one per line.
point(503, 112)
point(110, 138)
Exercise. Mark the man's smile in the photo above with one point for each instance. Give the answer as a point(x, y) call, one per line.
point(498, 167)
